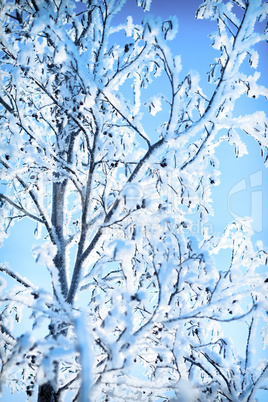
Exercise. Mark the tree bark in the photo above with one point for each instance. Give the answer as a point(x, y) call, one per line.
point(57, 221)
point(47, 393)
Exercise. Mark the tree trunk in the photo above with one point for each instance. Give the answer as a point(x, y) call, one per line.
point(57, 221)
point(47, 393)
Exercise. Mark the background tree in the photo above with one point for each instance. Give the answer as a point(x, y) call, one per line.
point(136, 304)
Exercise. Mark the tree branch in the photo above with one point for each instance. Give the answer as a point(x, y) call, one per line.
point(6, 106)
point(17, 277)
point(34, 217)
point(128, 121)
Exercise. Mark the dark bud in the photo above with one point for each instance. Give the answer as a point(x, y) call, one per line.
point(192, 357)
point(51, 328)
point(7, 157)
point(25, 70)
point(135, 297)
point(138, 206)
point(29, 391)
point(126, 48)
point(266, 280)
point(163, 163)
point(143, 203)
point(212, 181)
point(110, 135)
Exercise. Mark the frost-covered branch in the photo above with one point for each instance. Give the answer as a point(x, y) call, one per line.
point(136, 306)
point(15, 276)
point(20, 208)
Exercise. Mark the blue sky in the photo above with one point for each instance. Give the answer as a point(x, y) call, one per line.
point(193, 43)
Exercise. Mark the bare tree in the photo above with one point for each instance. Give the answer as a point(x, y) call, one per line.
point(137, 304)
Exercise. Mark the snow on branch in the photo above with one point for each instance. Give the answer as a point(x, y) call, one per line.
point(112, 151)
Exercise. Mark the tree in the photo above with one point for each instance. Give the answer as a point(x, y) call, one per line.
point(137, 307)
